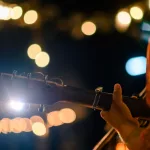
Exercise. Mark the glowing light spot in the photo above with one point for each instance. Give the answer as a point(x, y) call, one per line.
point(16, 12)
point(39, 129)
point(145, 26)
point(28, 125)
point(35, 119)
point(67, 115)
point(15, 125)
point(42, 59)
point(5, 13)
point(136, 66)
point(53, 119)
point(88, 28)
point(16, 105)
point(5, 123)
point(34, 50)
point(136, 13)
point(30, 17)
point(122, 21)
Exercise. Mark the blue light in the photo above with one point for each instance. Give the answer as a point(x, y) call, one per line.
point(136, 66)
point(145, 27)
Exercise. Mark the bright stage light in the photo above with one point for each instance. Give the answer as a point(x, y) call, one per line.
point(136, 66)
point(33, 51)
point(30, 17)
point(16, 12)
point(67, 115)
point(136, 13)
point(16, 105)
point(42, 59)
point(88, 28)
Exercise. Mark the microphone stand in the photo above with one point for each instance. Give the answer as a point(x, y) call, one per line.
point(112, 132)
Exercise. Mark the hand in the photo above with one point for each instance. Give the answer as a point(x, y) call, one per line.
point(119, 115)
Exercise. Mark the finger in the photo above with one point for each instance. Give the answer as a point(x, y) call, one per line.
point(104, 115)
point(117, 94)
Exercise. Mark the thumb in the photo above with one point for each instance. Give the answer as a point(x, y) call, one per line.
point(104, 115)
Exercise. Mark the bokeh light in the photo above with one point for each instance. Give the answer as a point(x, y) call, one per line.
point(136, 13)
point(28, 125)
point(30, 17)
point(33, 50)
point(5, 123)
point(0, 127)
point(35, 119)
point(5, 13)
point(53, 119)
point(16, 105)
point(145, 27)
point(124, 17)
point(136, 66)
point(39, 129)
point(88, 28)
point(67, 115)
point(16, 12)
point(122, 21)
point(121, 146)
point(22, 124)
point(15, 125)
point(42, 59)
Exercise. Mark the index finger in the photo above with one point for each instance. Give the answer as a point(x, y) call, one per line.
point(117, 94)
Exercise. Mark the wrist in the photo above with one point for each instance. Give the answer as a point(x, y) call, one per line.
point(125, 130)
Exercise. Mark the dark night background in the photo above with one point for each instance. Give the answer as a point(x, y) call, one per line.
point(93, 61)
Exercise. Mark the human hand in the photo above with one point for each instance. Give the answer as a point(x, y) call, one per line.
point(119, 114)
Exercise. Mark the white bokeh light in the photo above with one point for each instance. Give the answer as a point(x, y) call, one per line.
point(136, 66)
point(16, 105)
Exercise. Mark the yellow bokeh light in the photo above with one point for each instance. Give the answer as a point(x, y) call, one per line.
point(16, 12)
point(53, 119)
point(39, 129)
point(67, 115)
point(123, 17)
point(42, 59)
point(121, 146)
point(30, 17)
point(122, 21)
point(88, 28)
point(136, 13)
point(5, 13)
point(33, 50)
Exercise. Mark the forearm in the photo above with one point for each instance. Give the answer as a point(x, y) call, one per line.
point(131, 135)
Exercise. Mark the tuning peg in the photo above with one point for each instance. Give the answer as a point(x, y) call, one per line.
point(41, 108)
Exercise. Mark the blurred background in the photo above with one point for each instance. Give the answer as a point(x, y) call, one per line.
point(85, 43)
